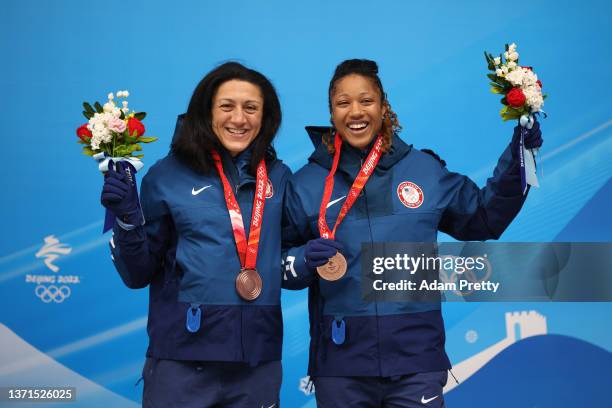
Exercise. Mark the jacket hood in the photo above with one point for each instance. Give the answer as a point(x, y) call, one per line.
point(351, 156)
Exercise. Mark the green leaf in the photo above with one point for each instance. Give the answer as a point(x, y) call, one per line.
point(512, 113)
point(490, 62)
point(99, 107)
point(129, 138)
point(492, 77)
point(135, 134)
point(139, 156)
point(147, 139)
point(140, 115)
point(88, 107)
point(87, 151)
point(87, 115)
point(507, 47)
point(497, 90)
point(504, 101)
point(134, 148)
point(121, 151)
point(122, 116)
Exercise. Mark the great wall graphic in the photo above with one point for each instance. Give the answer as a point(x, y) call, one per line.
point(528, 324)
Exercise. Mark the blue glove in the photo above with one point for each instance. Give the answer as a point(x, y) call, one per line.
point(119, 193)
point(533, 138)
point(318, 251)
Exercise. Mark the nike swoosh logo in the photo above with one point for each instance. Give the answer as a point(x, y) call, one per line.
point(426, 400)
point(196, 192)
point(335, 201)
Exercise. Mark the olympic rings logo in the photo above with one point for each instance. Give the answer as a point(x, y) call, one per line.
point(52, 293)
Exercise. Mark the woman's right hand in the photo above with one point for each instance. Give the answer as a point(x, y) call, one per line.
point(120, 194)
point(318, 251)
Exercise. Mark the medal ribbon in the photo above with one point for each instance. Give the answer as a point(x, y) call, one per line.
point(362, 178)
point(247, 251)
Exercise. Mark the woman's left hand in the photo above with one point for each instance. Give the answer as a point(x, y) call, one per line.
point(533, 138)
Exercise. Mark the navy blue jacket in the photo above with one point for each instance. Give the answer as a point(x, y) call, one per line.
point(386, 338)
point(185, 253)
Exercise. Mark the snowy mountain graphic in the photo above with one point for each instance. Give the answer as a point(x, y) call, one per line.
point(22, 365)
point(519, 325)
point(551, 371)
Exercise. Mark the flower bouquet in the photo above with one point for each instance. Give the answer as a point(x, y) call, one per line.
point(113, 133)
point(522, 98)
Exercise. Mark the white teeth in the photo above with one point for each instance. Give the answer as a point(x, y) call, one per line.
point(237, 131)
point(357, 126)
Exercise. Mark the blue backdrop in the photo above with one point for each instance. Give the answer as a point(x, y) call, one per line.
point(57, 54)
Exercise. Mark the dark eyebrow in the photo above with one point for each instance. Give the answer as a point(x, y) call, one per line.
point(365, 93)
point(222, 100)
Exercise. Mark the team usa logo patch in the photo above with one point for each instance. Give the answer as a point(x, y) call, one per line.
point(269, 189)
point(410, 194)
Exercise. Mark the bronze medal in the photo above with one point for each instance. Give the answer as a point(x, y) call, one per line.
point(334, 269)
point(249, 284)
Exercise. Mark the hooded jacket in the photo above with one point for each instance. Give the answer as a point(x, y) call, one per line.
point(385, 338)
point(185, 252)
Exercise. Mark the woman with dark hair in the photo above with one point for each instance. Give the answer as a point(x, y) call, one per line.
point(363, 184)
point(205, 238)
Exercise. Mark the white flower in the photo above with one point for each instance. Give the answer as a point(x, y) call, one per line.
point(513, 56)
point(99, 127)
point(504, 69)
point(125, 110)
point(512, 47)
point(530, 78)
point(108, 107)
point(126, 94)
point(110, 96)
point(515, 77)
point(533, 97)
point(497, 60)
point(511, 64)
point(506, 55)
point(499, 72)
point(125, 104)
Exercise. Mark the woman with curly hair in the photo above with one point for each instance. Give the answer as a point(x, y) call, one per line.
point(364, 184)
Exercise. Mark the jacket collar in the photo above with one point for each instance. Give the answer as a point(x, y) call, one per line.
point(350, 157)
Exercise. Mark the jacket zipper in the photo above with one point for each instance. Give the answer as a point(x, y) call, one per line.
point(365, 197)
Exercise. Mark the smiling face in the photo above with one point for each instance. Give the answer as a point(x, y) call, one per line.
point(236, 114)
point(357, 110)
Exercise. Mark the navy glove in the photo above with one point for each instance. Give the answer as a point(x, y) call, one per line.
point(533, 138)
point(119, 193)
point(318, 251)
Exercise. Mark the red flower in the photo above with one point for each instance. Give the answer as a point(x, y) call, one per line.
point(83, 133)
point(515, 98)
point(529, 68)
point(135, 125)
point(539, 83)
